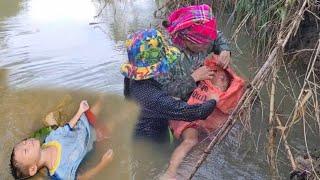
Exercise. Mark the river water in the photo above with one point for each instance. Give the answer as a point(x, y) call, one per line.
point(54, 50)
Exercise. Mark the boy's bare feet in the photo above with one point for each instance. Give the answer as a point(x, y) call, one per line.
point(168, 176)
point(190, 139)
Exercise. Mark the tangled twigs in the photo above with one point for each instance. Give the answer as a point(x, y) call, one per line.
point(314, 169)
point(245, 101)
point(286, 144)
point(160, 12)
point(306, 166)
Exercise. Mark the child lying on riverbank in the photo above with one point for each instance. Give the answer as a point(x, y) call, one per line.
point(228, 87)
point(63, 151)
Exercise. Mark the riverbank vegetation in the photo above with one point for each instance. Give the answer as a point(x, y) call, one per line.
point(285, 42)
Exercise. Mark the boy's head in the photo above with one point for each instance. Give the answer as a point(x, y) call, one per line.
point(221, 78)
point(25, 157)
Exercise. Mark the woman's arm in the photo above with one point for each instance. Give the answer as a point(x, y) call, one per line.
point(162, 104)
point(221, 46)
point(180, 87)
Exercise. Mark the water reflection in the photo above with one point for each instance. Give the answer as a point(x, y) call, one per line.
point(3, 79)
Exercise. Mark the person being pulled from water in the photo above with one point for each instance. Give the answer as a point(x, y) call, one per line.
point(63, 150)
point(150, 57)
point(54, 119)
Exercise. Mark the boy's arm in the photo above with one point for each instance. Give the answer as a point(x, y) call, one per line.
point(178, 82)
point(42, 133)
point(82, 108)
point(180, 110)
point(106, 159)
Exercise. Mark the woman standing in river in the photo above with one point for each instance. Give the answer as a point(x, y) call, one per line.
point(149, 58)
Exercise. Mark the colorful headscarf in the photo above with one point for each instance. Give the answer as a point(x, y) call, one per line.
point(148, 55)
point(194, 23)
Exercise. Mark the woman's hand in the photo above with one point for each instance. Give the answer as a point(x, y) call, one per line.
point(224, 59)
point(202, 73)
point(84, 106)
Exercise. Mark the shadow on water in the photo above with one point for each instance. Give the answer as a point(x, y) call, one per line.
point(50, 42)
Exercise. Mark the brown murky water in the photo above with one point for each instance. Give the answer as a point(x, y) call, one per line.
point(51, 52)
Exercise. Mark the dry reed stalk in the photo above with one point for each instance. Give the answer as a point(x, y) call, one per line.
point(168, 6)
point(311, 70)
point(165, 5)
point(286, 144)
point(307, 148)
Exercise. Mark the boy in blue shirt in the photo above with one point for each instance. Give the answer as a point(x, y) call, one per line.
point(62, 152)
point(149, 58)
